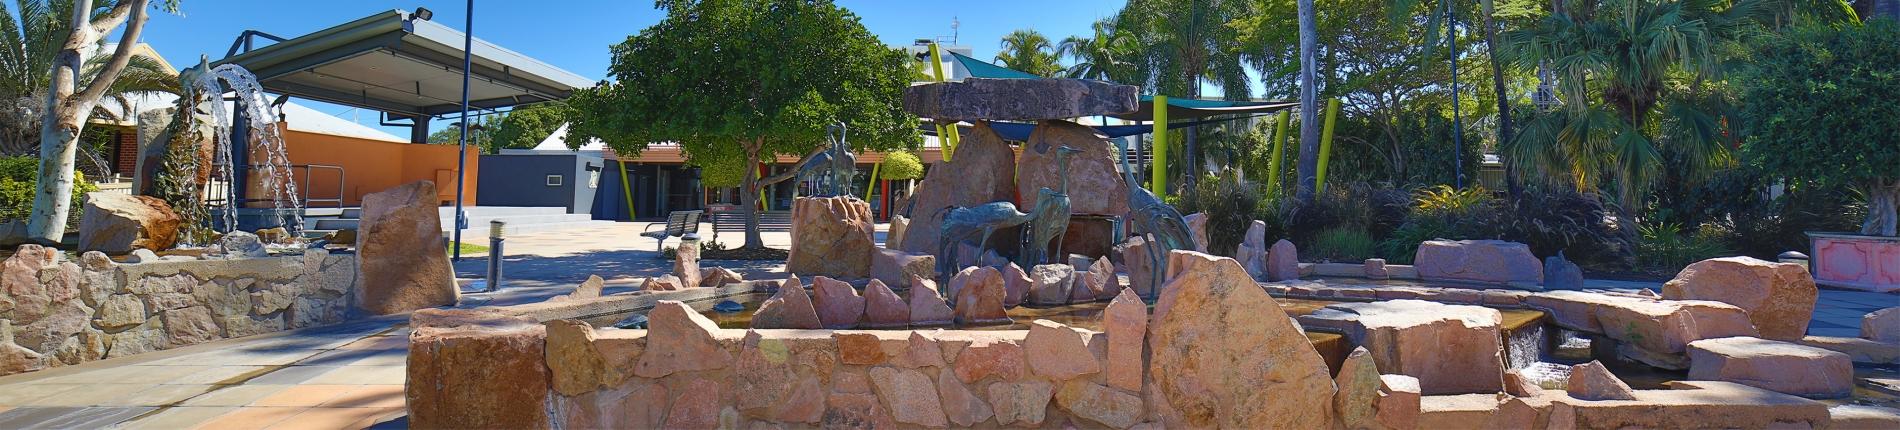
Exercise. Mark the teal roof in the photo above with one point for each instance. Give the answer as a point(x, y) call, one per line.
point(1178, 108)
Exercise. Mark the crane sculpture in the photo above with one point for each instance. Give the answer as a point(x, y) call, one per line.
point(975, 223)
point(1151, 215)
point(830, 170)
point(1050, 218)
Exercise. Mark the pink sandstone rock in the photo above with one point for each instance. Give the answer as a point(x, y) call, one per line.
point(789, 308)
point(1099, 404)
point(1283, 261)
point(1050, 284)
point(1375, 269)
point(1095, 186)
point(631, 406)
point(882, 308)
point(398, 245)
point(1135, 257)
point(990, 356)
point(697, 407)
point(1881, 325)
point(1399, 400)
point(679, 340)
point(118, 223)
point(1102, 281)
point(1451, 349)
point(766, 377)
point(1016, 285)
point(963, 408)
point(1516, 384)
point(476, 369)
point(1592, 381)
point(804, 404)
point(577, 368)
point(1695, 404)
point(1084, 286)
point(920, 351)
point(587, 289)
point(1773, 365)
point(686, 264)
point(855, 411)
point(859, 348)
point(1057, 351)
point(1197, 227)
point(839, 306)
point(1261, 373)
point(909, 395)
point(1252, 252)
point(714, 277)
point(1022, 403)
point(1493, 261)
point(980, 296)
point(977, 173)
point(926, 304)
point(1358, 396)
point(662, 283)
point(831, 236)
point(1779, 297)
point(1126, 322)
point(1665, 328)
point(895, 267)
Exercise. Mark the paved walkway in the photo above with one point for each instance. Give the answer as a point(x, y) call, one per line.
point(350, 375)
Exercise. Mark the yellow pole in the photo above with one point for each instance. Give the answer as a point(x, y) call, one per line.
point(1279, 147)
point(948, 138)
point(1326, 143)
point(626, 190)
point(873, 185)
point(1160, 159)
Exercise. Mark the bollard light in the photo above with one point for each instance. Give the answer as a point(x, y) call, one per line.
point(495, 228)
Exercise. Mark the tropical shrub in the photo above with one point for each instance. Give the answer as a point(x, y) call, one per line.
point(1228, 203)
point(1664, 247)
point(1553, 219)
point(18, 178)
point(1341, 244)
point(1444, 212)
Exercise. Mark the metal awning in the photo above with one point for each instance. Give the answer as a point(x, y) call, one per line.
point(399, 63)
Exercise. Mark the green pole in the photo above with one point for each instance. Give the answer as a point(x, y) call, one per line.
point(1160, 159)
point(1326, 143)
point(948, 141)
point(1279, 147)
point(625, 189)
point(873, 185)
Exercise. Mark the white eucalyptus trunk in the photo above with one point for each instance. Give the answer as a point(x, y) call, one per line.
point(68, 106)
point(1308, 166)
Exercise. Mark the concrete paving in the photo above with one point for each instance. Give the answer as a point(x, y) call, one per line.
point(350, 375)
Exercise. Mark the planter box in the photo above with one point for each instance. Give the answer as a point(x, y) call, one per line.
point(1869, 263)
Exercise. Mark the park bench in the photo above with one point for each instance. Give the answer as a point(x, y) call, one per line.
point(678, 224)
point(734, 221)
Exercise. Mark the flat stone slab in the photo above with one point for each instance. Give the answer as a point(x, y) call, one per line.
point(1773, 365)
point(1019, 99)
point(1451, 349)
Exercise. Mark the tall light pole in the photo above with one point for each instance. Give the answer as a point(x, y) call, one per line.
point(461, 154)
point(1457, 120)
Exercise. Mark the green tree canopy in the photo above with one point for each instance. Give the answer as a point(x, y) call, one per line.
point(525, 126)
point(901, 165)
point(1028, 51)
point(1821, 108)
point(749, 80)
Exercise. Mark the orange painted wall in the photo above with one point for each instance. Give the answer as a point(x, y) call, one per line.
point(374, 165)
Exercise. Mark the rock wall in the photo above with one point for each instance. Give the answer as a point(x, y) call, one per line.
point(55, 312)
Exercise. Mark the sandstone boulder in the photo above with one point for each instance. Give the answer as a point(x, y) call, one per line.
point(896, 267)
point(1016, 284)
point(1881, 325)
point(979, 294)
point(686, 263)
point(1773, 365)
point(1665, 328)
point(831, 236)
point(402, 264)
point(1094, 185)
point(1451, 349)
point(926, 304)
point(1050, 284)
point(1197, 228)
point(1694, 404)
point(117, 223)
point(1262, 373)
point(1100, 404)
point(1252, 253)
point(1561, 274)
point(1592, 381)
point(1368, 400)
point(977, 173)
point(680, 340)
point(1283, 261)
point(714, 277)
point(588, 289)
point(666, 282)
point(1020, 99)
point(909, 395)
point(900, 225)
point(1126, 322)
point(1140, 269)
point(476, 369)
point(1493, 261)
point(988, 356)
point(839, 305)
point(1057, 352)
point(963, 407)
point(576, 367)
point(1779, 297)
point(882, 307)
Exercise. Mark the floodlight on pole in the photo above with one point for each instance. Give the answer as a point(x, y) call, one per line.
point(461, 154)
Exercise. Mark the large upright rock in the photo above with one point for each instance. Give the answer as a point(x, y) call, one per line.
point(1561, 274)
point(117, 223)
point(1218, 361)
point(1773, 365)
point(1126, 323)
point(399, 247)
point(1661, 330)
point(1252, 252)
point(1779, 297)
point(978, 172)
point(979, 296)
point(1493, 261)
point(831, 236)
point(1020, 99)
point(1283, 261)
point(1197, 226)
point(1094, 185)
point(882, 307)
point(1140, 269)
point(839, 305)
point(680, 340)
point(686, 264)
point(791, 307)
point(926, 304)
point(1050, 284)
point(1451, 349)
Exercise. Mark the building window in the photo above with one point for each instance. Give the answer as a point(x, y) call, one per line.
point(555, 180)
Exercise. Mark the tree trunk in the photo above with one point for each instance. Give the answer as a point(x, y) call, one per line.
point(67, 108)
point(1308, 166)
point(749, 195)
point(1505, 127)
point(1883, 208)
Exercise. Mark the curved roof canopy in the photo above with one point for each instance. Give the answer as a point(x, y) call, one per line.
point(399, 63)
point(1179, 108)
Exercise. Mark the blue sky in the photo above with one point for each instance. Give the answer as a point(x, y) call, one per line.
point(574, 35)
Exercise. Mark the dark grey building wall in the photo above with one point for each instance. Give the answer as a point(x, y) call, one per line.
point(521, 180)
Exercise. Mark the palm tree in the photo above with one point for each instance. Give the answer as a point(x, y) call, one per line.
point(32, 40)
point(1028, 51)
point(1104, 56)
point(1189, 43)
point(1616, 62)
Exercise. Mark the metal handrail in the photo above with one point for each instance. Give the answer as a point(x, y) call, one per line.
point(341, 180)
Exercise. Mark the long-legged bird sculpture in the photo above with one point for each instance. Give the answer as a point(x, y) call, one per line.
point(1049, 220)
point(975, 223)
point(1151, 215)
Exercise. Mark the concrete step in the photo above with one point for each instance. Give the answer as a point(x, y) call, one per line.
point(352, 213)
point(448, 212)
point(481, 222)
point(334, 224)
point(513, 229)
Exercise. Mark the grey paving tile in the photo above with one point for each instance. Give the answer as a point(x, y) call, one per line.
point(291, 375)
point(24, 417)
point(93, 418)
